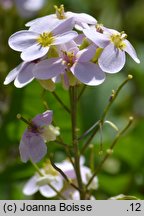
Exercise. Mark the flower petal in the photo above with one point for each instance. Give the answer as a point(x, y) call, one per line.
point(88, 73)
point(12, 74)
point(21, 40)
point(34, 52)
point(32, 147)
point(99, 39)
point(82, 18)
point(43, 119)
point(112, 59)
point(48, 69)
point(64, 38)
point(131, 51)
point(25, 75)
point(87, 54)
point(31, 187)
point(47, 191)
point(63, 26)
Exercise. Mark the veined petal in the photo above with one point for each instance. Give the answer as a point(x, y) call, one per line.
point(47, 191)
point(63, 26)
point(99, 39)
point(87, 54)
point(34, 52)
point(82, 18)
point(45, 24)
point(112, 59)
point(48, 68)
point(25, 76)
point(64, 38)
point(43, 119)
point(12, 74)
point(88, 73)
point(131, 51)
point(21, 40)
point(30, 23)
point(31, 187)
point(32, 147)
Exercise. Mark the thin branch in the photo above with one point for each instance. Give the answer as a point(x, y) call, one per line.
point(106, 110)
point(61, 102)
point(110, 150)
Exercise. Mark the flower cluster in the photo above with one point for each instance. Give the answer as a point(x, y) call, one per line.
point(52, 49)
point(50, 179)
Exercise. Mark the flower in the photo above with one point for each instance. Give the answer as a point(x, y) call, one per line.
point(81, 20)
point(42, 183)
point(32, 145)
point(36, 44)
point(114, 45)
point(86, 173)
point(22, 74)
point(73, 61)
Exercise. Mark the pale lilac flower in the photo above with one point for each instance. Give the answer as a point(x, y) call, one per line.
point(21, 75)
point(114, 45)
point(32, 145)
point(81, 20)
point(72, 61)
point(36, 44)
point(86, 173)
point(40, 183)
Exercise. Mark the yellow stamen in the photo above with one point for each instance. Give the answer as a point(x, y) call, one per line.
point(117, 40)
point(45, 39)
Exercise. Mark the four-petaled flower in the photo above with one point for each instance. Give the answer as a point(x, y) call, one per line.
point(35, 44)
point(114, 45)
point(32, 145)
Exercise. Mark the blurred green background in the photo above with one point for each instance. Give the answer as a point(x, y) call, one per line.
point(123, 173)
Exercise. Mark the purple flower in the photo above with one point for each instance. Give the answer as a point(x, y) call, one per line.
point(35, 44)
point(72, 61)
point(80, 20)
point(32, 145)
point(22, 74)
point(114, 45)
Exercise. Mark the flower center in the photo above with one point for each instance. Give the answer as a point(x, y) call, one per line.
point(45, 39)
point(68, 58)
point(117, 40)
point(60, 12)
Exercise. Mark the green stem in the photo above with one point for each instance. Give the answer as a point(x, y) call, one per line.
point(106, 110)
point(73, 100)
point(110, 150)
point(81, 92)
point(61, 102)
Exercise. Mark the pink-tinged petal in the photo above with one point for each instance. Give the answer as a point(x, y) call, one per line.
point(112, 60)
point(131, 51)
point(99, 39)
point(87, 54)
point(31, 187)
point(79, 39)
point(47, 191)
point(64, 38)
point(22, 40)
point(48, 69)
point(71, 46)
point(43, 119)
point(88, 73)
point(25, 75)
point(32, 147)
point(34, 52)
point(12, 74)
point(63, 26)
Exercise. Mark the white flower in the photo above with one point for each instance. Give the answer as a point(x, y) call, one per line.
point(41, 183)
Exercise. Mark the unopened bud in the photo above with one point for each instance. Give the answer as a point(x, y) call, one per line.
point(109, 151)
point(130, 76)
